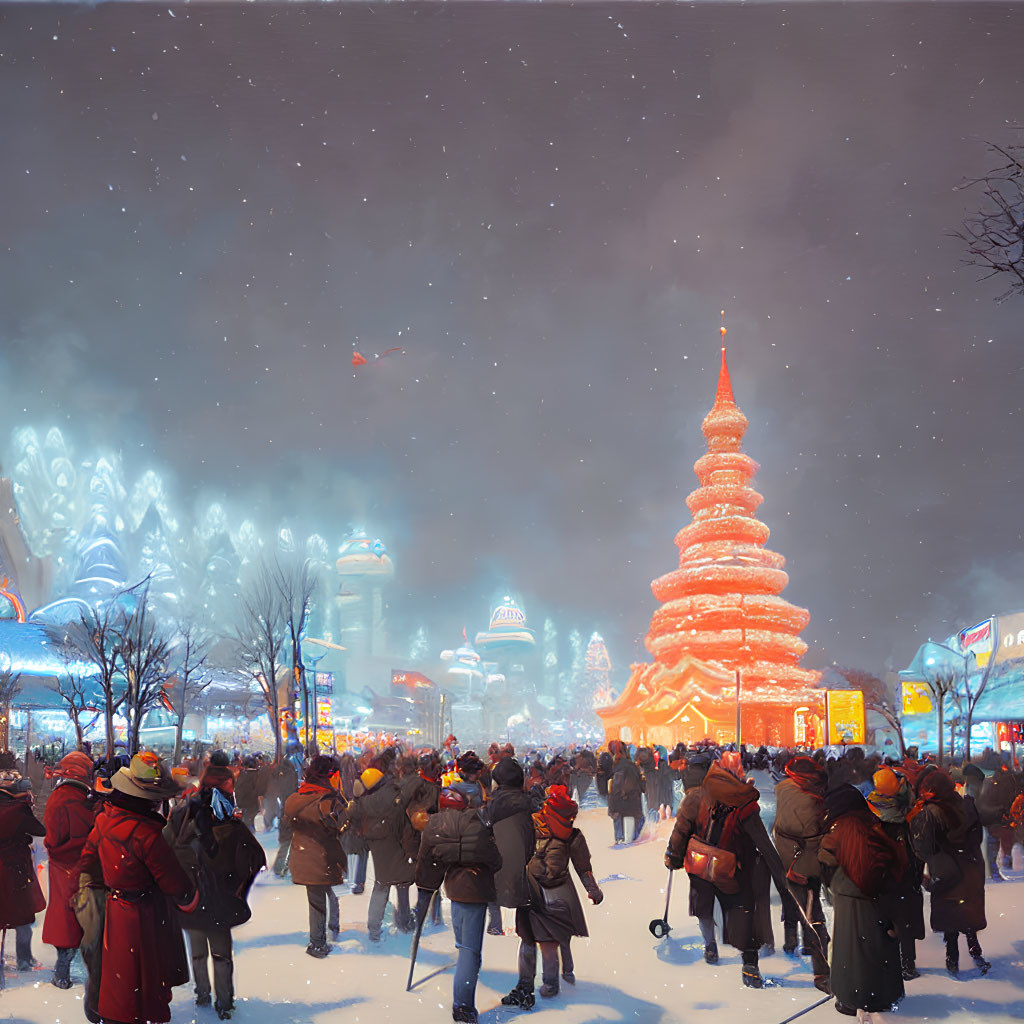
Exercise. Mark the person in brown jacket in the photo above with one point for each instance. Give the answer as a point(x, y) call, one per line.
point(798, 831)
point(555, 913)
point(723, 814)
point(312, 821)
point(458, 849)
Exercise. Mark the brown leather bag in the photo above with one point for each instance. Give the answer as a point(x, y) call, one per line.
point(711, 863)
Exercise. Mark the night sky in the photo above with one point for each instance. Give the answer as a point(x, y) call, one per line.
point(205, 209)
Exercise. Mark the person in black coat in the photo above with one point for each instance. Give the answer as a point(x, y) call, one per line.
point(861, 866)
point(625, 793)
point(219, 850)
point(507, 813)
point(947, 836)
point(605, 769)
point(378, 812)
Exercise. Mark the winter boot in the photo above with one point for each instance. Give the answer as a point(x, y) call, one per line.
point(953, 954)
point(974, 948)
point(465, 1014)
point(318, 952)
point(789, 938)
point(707, 932)
point(549, 969)
point(823, 983)
point(519, 996)
point(62, 969)
point(751, 972)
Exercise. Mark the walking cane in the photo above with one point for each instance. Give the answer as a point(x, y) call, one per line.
point(3, 943)
point(659, 926)
point(416, 938)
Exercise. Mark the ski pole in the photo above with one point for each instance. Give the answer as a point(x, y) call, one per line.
point(806, 1009)
point(416, 938)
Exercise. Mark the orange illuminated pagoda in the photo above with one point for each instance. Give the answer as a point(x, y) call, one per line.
point(722, 618)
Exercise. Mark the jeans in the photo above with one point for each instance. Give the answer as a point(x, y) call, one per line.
point(468, 925)
point(357, 867)
point(318, 896)
point(619, 825)
point(215, 942)
point(379, 902)
point(281, 860)
point(23, 944)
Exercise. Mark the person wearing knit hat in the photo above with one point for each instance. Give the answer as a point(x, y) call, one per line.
point(890, 800)
point(69, 817)
point(556, 914)
point(378, 813)
point(143, 950)
point(797, 832)
point(509, 814)
point(457, 850)
point(213, 844)
point(312, 822)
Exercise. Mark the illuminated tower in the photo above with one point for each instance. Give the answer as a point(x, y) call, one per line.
point(723, 603)
point(722, 617)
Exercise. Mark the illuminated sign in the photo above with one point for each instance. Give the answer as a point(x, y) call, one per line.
point(324, 682)
point(323, 714)
point(917, 698)
point(979, 640)
point(844, 710)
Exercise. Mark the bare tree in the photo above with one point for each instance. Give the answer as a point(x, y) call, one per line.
point(190, 677)
point(942, 685)
point(142, 653)
point(878, 697)
point(994, 236)
point(296, 582)
point(260, 637)
point(100, 640)
point(74, 690)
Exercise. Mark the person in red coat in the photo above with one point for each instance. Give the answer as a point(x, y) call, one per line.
point(21, 898)
point(70, 814)
point(143, 948)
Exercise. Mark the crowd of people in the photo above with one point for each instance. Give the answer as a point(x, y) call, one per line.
point(150, 867)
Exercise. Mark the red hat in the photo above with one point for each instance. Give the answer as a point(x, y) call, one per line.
point(559, 802)
point(453, 798)
point(75, 766)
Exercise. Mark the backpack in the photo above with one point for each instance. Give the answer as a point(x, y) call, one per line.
point(712, 850)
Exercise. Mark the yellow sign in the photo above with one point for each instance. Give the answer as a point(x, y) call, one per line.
point(917, 698)
point(323, 713)
point(845, 712)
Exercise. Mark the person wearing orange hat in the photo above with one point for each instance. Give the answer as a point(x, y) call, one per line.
point(69, 817)
point(890, 800)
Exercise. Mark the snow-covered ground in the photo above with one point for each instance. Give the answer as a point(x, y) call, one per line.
point(623, 973)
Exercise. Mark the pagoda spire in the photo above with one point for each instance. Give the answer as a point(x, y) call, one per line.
point(724, 393)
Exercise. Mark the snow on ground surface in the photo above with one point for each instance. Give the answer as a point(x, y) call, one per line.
point(623, 973)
